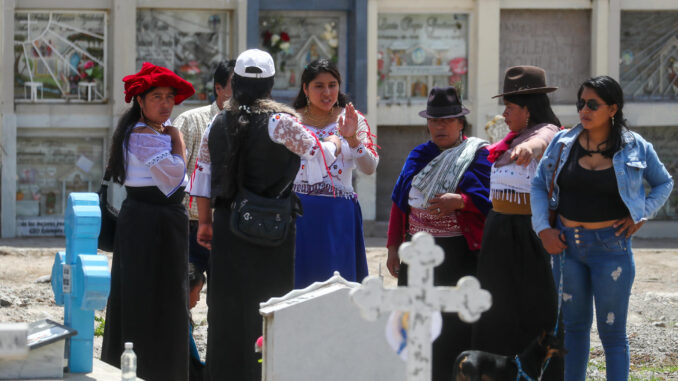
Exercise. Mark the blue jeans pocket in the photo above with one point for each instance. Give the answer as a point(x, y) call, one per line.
point(614, 244)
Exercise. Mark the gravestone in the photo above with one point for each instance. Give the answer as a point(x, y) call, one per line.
point(80, 277)
point(35, 351)
point(318, 334)
point(421, 299)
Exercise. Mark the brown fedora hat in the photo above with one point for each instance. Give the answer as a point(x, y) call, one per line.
point(525, 80)
point(443, 103)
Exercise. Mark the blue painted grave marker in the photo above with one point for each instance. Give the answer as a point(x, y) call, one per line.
point(81, 280)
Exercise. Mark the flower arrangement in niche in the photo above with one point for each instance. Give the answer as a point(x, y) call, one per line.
point(381, 74)
point(330, 36)
point(88, 71)
point(459, 68)
point(277, 44)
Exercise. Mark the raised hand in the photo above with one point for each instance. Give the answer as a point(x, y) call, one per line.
point(347, 125)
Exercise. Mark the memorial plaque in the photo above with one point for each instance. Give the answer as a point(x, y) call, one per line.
point(559, 41)
point(665, 142)
point(648, 66)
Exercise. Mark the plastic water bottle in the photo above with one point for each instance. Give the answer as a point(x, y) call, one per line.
point(128, 363)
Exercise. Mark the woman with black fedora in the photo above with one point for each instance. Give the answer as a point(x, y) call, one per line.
point(512, 265)
point(443, 189)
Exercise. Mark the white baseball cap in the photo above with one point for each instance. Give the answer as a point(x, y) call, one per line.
point(255, 58)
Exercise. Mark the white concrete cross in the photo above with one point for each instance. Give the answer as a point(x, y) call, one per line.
point(421, 299)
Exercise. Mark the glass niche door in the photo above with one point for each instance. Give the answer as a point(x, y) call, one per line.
point(295, 39)
point(48, 169)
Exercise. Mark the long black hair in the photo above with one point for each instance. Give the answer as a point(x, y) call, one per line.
point(117, 166)
point(311, 71)
point(246, 91)
point(611, 93)
point(539, 107)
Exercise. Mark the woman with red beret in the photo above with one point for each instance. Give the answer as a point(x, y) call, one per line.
point(148, 302)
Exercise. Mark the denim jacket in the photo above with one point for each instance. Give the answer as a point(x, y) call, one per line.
point(635, 161)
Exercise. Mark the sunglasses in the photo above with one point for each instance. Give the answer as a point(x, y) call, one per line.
point(592, 104)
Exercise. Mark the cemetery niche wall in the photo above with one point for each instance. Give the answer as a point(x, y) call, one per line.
point(48, 169)
point(420, 51)
point(665, 142)
point(559, 41)
point(60, 56)
point(648, 66)
point(295, 39)
point(188, 42)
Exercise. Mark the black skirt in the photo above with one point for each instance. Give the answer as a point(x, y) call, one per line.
point(148, 301)
point(514, 267)
point(455, 336)
point(242, 275)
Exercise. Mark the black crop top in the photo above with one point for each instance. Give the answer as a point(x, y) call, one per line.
point(588, 195)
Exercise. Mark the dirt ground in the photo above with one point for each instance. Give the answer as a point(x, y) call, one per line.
point(26, 295)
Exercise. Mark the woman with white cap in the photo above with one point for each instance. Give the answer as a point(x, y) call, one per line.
point(248, 159)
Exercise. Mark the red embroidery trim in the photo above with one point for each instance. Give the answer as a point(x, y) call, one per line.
point(370, 144)
point(322, 152)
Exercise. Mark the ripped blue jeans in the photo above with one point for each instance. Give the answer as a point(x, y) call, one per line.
point(598, 268)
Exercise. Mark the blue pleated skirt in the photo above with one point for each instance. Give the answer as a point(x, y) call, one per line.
point(329, 239)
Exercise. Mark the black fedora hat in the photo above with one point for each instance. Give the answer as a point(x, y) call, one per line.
point(443, 103)
point(525, 80)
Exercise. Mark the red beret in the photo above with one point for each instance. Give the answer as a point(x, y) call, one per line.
point(156, 76)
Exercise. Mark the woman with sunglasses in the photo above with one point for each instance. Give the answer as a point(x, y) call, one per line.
point(600, 201)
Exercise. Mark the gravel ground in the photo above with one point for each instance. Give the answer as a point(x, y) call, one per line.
point(26, 295)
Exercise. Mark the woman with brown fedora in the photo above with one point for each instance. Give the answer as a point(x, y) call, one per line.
point(512, 265)
point(443, 189)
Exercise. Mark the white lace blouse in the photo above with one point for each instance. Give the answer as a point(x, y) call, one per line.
point(283, 129)
point(313, 178)
point(150, 162)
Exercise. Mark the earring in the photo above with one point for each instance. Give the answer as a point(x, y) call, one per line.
point(612, 119)
point(308, 102)
point(527, 121)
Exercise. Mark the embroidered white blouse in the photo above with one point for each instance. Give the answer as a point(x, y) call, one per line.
point(283, 129)
point(313, 178)
point(507, 180)
point(150, 162)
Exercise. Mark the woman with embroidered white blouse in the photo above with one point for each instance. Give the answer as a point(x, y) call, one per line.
point(148, 301)
point(330, 233)
point(512, 264)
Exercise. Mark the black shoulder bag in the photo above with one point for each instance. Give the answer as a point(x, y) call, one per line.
point(261, 220)
point(109, 216)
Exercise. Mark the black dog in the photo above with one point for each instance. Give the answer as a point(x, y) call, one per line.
point(483, 366)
